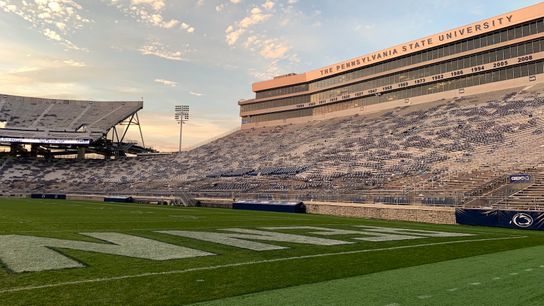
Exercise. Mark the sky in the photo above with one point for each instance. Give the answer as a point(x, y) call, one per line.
point(201, 53)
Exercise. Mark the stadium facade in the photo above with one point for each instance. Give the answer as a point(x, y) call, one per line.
point(505, 51)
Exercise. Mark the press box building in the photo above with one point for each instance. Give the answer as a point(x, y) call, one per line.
point(505, 51)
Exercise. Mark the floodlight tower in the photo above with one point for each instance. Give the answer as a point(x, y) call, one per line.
point(182, 115)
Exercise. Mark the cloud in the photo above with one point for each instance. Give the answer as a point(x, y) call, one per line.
point(272, 69)
point(364, 27)
point(155, 48)
point(74, 63)
point(268, 48)
point(274, 50)
point(148, 12)
point(155, 4)
point(197, 94)
point(166, 82)
point(56, 20)
point(268, 5)
point(42, 76)
point(24, 69)
point(52, 35)
point(187, 27)
point(256, 16)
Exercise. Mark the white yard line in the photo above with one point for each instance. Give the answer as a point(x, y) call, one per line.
point(122, 277)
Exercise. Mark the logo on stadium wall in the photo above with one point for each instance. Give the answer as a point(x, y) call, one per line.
point(522, 220)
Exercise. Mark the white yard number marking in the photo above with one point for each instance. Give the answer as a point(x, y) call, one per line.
point(373, 233)
point(236, 238)
point(28, 253)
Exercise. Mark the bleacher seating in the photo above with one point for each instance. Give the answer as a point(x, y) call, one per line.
point(26, 117)
point(438, 153)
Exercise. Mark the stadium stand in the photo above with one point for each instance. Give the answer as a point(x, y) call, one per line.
point(443, 153)
point(52, 123)
point(528, 198)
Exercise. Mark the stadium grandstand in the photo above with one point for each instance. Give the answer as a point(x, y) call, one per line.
point(409, 176)
point(53, 127)
point(442, 121)
point(446, 153)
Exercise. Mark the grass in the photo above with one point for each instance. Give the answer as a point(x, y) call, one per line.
point(236, 271)
point(492, 279)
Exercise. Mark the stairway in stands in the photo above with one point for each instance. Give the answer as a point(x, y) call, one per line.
point(529, 198)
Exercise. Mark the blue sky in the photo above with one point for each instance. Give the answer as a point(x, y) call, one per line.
point(204, 53)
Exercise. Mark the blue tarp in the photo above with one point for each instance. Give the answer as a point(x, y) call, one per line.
point(119, 199)
point(279, 206)
point(48, 196)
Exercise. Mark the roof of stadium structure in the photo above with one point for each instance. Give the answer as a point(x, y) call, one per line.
point(39, 120)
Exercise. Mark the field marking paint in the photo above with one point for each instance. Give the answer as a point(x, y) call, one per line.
point(241, 238)
point(494, 279)
point(372, 233)
point(248, 263)
point(32, 254)
point(452, 289)
point(424, 297)
point(185, 217)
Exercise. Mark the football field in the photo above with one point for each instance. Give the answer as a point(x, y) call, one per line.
point(72, 252)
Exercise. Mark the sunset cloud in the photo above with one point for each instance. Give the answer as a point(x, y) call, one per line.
point(150, 12)
point(255, 16)
point(166, 82)
point(157, 49)
point(56, 20)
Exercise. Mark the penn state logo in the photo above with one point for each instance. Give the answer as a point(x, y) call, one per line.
point(522, 220)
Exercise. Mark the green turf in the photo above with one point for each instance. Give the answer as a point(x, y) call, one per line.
point(506, 278)
point(253, 272)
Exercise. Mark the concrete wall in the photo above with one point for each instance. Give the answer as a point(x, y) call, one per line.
point(424, 214)
point(13, 195)
point(214, 203)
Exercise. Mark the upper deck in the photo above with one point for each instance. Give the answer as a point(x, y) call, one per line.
point(446, 37)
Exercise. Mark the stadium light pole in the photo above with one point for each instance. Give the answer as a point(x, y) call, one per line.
point(181, 113)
